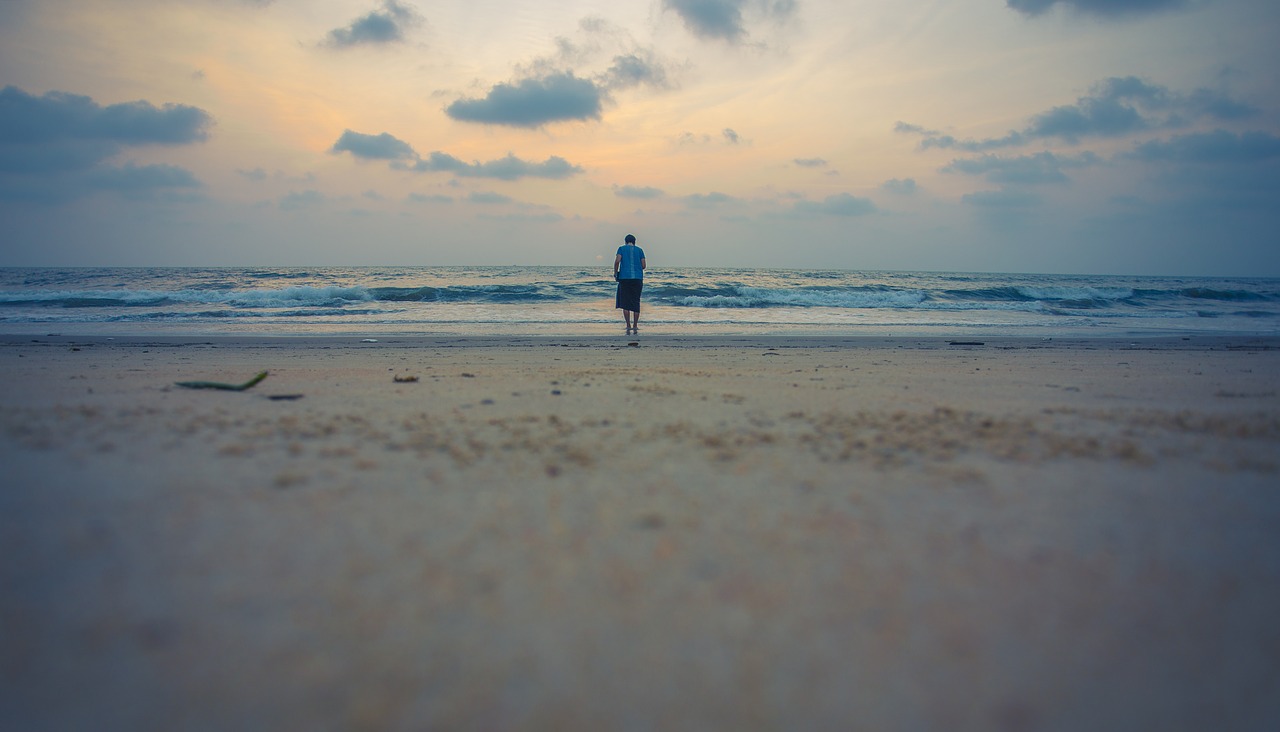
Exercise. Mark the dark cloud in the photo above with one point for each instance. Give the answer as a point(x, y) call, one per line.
point(1124, 105)
point(911, 129)
point(558, 87)
point(373, 147)
point(1043, 167)
point(1002, 199)
point(379, 27)
point(556, 97)
point(688, 138)
point(947, 142)
point(708, 200)
point(489, 198)
point(425, 198)
point(60, 131)
point(727, 136)
point(507, 168)
point(1218, 146)
point(723, 19)
point(402, 156)
point(143, 178)
point(1109, 8)
point(549, 217)
point(1113, 108)
point(900, 185)
point(720, 19)
point(810, 162)
point(57, 145)
point(643, 192)
point(840, 204)
point(630, 65)
point(1215, 105)
point(639, 68)
point(296, 200)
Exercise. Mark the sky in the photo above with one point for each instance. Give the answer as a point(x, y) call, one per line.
point(1052, 136)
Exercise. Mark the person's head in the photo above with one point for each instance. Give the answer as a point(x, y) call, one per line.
point(631, 239)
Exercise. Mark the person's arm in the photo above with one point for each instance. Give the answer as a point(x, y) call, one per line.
point(617, 260)
point(642, 264)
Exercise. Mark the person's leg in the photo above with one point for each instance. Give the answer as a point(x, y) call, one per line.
point(626, 314)
point(635, 320)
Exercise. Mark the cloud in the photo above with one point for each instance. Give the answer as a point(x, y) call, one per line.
point(641, 192)
point(56, 146)
point(905, 186)
point(723, 19)
point(568, 84)
point(489, 198)
point(402, 156)
point(143, 178)
point(1043, 167)
point(1218, 146)
point(639, 68)
point(708, 200)
point(373, 147)
point(1114, 107)
point(810, 162)
point(507, 168)
point(688, 138)
point(62, 132)
point(947, 142)
point(377, 28)
point(296, 200)
point(1123, 105)
point(549, 217)
point(598, 39)
point(727, 136)
point(428, 198)
point(840, 204)
point(910, 129)
point(1001, 199)
point(556, 97)
point(1215, 105)
point(1108, 8)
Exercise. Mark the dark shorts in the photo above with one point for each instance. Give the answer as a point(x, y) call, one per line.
point(629, 295)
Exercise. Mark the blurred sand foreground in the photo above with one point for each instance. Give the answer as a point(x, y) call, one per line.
point(688, 533)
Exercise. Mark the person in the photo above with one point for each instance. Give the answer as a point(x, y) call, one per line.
point(628, 270)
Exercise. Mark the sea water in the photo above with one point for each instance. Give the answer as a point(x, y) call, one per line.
point(578, 300)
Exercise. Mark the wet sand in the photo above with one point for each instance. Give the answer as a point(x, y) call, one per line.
point(686, 533)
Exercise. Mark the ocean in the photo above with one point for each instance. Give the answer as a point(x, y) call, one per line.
point(578, 300)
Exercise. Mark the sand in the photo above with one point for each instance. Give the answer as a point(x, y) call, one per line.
point(686, 533)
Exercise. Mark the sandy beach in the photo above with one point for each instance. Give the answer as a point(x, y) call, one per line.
point(647, 532)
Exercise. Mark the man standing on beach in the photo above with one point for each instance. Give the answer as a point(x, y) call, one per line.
point(628, 270)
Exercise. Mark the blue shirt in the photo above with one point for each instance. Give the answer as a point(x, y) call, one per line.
point(629, 267)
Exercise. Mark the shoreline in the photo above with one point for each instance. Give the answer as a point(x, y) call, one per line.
point(806, 340)
point(697, 532)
